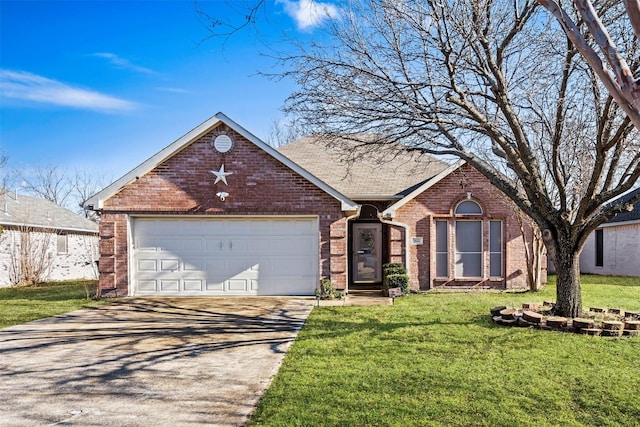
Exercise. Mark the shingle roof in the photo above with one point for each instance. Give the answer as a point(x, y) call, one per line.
point(369, 173)
point(634, 215)
point(34, 212)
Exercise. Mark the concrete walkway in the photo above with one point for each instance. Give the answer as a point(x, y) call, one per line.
point(147, 362)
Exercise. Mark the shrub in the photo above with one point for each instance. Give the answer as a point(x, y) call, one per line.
point(396, 281)
point(390, 280)
point(328, 291)
point(393, 268)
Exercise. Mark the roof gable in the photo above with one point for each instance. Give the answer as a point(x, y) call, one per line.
point(26, 211)
point(97, 201)
point(390, 212)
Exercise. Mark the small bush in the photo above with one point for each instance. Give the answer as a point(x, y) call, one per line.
point(394, 269)
point(397, 281)
point(328, 291)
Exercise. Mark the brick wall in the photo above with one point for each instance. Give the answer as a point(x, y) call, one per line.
point(184, 185)
point(438, 203)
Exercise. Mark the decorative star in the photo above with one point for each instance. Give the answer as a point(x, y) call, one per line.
point(221, 175)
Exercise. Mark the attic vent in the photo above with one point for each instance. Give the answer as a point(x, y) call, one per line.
point(222, 143)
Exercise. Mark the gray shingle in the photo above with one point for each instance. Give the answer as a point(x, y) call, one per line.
point(35, 212)
point(634, 215)
point(368, 172)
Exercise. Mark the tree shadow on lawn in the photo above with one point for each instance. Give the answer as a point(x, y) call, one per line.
point(371, 326)
point(81, 349)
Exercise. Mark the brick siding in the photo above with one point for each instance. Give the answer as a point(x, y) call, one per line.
point(184, 185)
point(438, 203)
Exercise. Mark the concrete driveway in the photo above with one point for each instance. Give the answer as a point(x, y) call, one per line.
point(147, 362)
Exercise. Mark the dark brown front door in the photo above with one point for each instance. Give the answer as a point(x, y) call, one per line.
point(367, 252)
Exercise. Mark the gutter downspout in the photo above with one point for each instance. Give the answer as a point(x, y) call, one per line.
point(346, 233)
point(407, 246)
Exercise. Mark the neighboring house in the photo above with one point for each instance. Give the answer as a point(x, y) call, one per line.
point(41, 240)
point(614, 248)
point(219, 212)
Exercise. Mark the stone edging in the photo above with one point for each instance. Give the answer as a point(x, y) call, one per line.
point(598, 321)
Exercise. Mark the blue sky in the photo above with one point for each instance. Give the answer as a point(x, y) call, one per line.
point(103, 85)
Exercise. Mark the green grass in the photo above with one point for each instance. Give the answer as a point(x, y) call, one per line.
point(20, 304)
point(438, 360)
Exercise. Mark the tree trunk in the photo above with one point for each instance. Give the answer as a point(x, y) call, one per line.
point(568, 294)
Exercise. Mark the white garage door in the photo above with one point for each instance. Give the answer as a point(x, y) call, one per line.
point(225, 256)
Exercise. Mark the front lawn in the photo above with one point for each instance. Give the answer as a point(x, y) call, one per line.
point(20, 304)
point(438, 360)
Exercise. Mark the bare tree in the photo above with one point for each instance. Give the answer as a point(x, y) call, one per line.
point(3, 173)
point(29, 254)
point(84, 185)
point(282, 133)
point(495, 83)
point(61, 186)
point(534, 250)
point(610, 65)
point(49, 182)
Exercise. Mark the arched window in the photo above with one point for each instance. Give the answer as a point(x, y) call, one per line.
point(468, 207)
point(461, 250)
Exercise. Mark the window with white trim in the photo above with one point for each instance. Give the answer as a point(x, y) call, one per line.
point(442, 249)
point(468, 207)
point(468, 249)
point(62, 243)
point(495, 248)
point(472, 244)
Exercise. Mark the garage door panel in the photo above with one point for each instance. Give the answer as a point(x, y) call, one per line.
point(213, 245)
point(191, 285)
point(238, 285)
point(225, 256)
point(237, 246)
point(289, 266)
point(147, 265)
point(283, 246)
point(173, 245)
point(172, 285)
point(170, 265)
point(193, 245)
point(147, 285)
point(192, 264)
point(213, 285)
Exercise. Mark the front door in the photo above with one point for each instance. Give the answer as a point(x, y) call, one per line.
point(367, 252)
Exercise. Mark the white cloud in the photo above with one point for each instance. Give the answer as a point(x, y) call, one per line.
point(119, 62)
point(31, 87)
point(309, 13)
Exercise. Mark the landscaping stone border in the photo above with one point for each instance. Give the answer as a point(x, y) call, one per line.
point(598, 321)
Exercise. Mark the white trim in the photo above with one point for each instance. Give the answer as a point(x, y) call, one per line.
point(96, 201)
point(11, 225)
point(390, 212)
point(407, 244)
point(346, 247)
